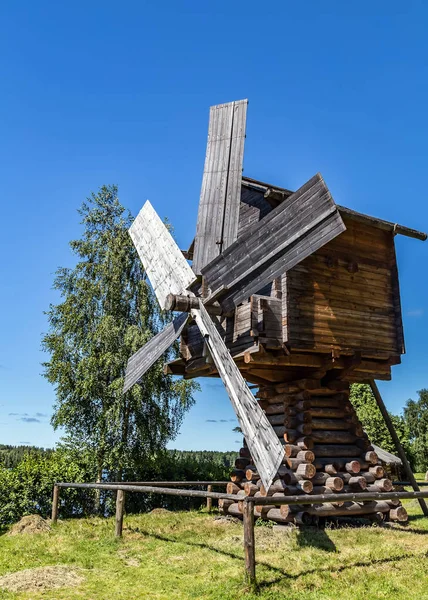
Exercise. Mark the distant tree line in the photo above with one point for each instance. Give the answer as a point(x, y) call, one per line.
point(11, 456)
point(411, 426)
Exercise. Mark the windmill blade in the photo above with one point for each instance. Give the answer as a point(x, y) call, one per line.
point(165, 265)
point(295, 229)
point(145, 357)
point(263, 443)
point(218, 213)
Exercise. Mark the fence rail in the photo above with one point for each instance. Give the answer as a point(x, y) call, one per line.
point(248, 501)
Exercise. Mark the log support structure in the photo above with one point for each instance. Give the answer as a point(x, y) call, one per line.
point(326, 452)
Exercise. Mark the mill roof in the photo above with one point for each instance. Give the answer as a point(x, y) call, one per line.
point(275, 195)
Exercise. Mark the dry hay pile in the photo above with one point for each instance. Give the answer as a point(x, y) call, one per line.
point(40, 578)
point(30, 524)
point(159, 511)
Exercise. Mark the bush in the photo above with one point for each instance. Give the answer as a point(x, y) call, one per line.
point(27, 488)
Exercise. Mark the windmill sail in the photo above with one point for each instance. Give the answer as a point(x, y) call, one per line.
point(295, 229)
point(263, 443)
point(218, 212)
point(141, 361)
point(165, 265)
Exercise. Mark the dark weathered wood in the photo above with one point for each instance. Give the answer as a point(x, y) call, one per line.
point(141, 361)
point(180, 303)
point(282, 194)
point(249, 544)
point(182, 484)
point(55, 504)
point(287, 235)
point(147, 489)
point(218, 212)
point(397, 443)
point(120, 507)
point(340, 497)
point(209, 500)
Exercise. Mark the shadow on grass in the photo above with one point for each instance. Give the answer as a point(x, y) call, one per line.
point(315, 538)
point(283, 575)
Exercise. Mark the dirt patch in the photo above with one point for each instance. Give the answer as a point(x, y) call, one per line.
point(30, 524)
point(159, 511)
point(129, 561)
point(40, 578)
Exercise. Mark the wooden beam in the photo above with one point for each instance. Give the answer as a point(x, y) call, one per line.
point(120, 507)
point(145, 357)
point(55, 503)
point(249, 544)
point(397, 443)
point(218, 212)
point(264, 446)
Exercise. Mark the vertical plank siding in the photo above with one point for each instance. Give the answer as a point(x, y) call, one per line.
point(218, 213)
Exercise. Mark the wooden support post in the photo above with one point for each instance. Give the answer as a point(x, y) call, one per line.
point(55, 503)
point(209, 500)
point(397, 444)
point(120, 505)
point(249, 544)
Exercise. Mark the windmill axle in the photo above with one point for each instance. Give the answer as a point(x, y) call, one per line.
point(186, 303)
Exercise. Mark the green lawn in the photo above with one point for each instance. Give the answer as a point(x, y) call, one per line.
point(188, 555)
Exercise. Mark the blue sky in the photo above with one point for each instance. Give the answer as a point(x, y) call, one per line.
point(106, 92)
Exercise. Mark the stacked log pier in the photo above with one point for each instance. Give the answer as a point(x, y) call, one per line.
point(326, 451)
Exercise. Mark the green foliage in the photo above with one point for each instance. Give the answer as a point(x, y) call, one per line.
point(107, 312)
point(371, 418)
point(10, 456)
point(416, 415)
point(27, 488)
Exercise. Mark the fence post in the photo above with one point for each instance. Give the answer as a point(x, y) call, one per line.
point(249, 544)
point(120, 505)
point(209, 500)
point(55, 502)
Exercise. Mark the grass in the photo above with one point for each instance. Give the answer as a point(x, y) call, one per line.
point(188, 556)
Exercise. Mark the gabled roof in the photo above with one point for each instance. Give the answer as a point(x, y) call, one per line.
point(276, 195)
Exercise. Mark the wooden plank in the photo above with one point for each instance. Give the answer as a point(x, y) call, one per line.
point(166, 267)
point(397, 304)
point(288, 234)
point(141, 361)
point(218, 212)
point(264, 446)
point(249, 544)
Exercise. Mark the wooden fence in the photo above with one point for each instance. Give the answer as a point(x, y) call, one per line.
point(151, 487)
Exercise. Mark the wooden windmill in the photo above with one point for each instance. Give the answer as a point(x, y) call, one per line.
point(293, 293)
